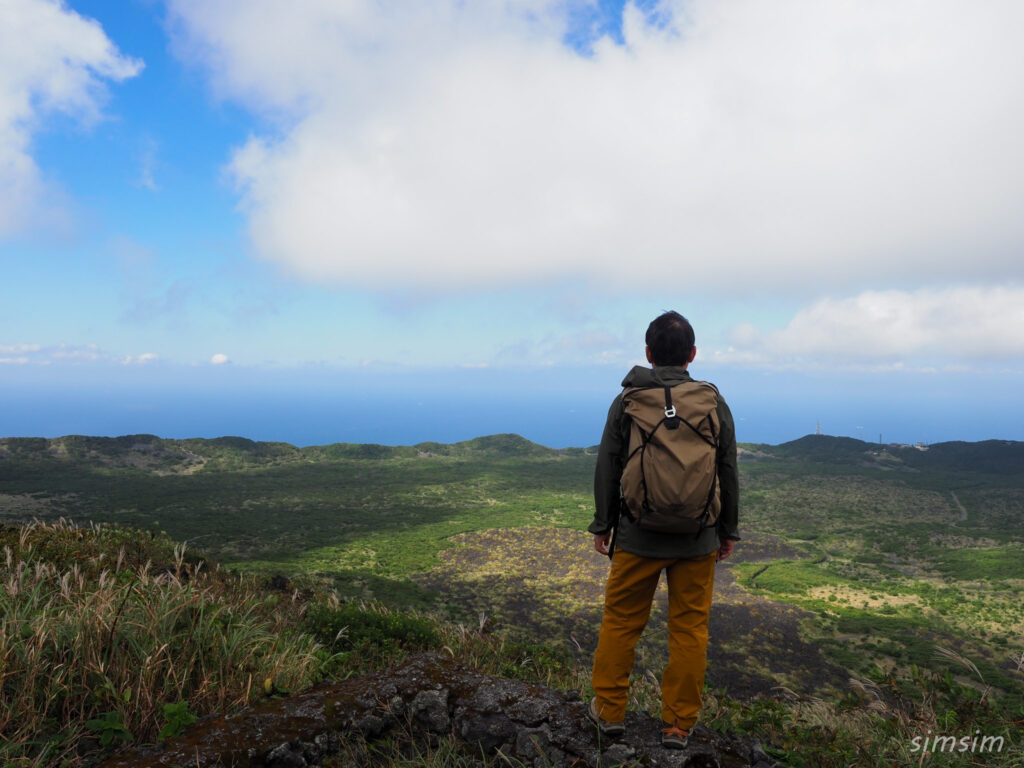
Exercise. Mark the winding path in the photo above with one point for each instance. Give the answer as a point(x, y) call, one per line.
point(963, 512)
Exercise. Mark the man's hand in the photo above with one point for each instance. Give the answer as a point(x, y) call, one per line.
point(602, 541)
point(725, 549)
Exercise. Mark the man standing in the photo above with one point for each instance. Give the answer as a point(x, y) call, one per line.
point(666, 492)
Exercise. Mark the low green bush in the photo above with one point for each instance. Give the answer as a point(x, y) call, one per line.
point(351, 627)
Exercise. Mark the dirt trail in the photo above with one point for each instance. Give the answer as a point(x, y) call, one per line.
point(963, 512)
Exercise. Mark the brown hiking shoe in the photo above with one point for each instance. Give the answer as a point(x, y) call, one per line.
point(608, 729)
point(674, 737)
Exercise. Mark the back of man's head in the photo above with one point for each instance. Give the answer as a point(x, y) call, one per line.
point(670, 339)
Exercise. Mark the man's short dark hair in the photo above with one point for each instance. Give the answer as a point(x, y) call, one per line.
point(670, 337)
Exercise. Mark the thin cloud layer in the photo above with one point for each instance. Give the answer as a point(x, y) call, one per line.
point(67, 354)
point(51, 60)
point(794, 146)
point(945, 328)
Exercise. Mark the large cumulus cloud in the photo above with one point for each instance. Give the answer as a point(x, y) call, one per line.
point(787, 146)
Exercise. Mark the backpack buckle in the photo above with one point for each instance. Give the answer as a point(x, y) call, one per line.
point(671, 422)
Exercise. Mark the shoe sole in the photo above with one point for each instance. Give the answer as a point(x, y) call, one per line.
point(677, 740)
point(612, 730)
point(674, 743)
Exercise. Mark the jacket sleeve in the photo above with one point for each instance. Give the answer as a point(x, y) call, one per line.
point(608, 474)
point(728, 475)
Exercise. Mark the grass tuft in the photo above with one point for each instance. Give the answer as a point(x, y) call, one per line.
point(105, 628)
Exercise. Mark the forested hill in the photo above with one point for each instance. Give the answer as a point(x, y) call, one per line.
point(990, 457)
point(150, 451)
point(993, 457)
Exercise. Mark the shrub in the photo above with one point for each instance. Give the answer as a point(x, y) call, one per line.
point(351, 627)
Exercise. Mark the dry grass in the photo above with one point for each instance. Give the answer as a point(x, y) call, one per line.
point(847, 595)
point(91, 636)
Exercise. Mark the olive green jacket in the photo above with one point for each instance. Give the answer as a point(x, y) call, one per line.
point(611, 458)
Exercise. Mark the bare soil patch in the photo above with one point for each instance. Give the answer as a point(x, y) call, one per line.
point(547, 584)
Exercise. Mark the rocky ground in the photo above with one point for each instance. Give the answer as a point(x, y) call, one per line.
point(421, 700)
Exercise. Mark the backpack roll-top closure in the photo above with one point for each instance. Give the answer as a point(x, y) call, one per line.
point(669, 482)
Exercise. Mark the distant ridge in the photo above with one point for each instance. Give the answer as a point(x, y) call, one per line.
point(151, 452)
point(997, 457)
point(822, 447)
point(505, 445)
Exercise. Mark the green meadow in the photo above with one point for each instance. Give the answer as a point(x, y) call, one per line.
point(897, 567)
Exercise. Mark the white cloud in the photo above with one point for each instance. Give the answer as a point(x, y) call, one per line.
point(786, 146)
point(78, 354)
point(893, 329)
point(51, 60)
point(143, 359)
point(219, 359)
point(17, 349)
point(147, 155)
point(583, 347)
point(68, 354)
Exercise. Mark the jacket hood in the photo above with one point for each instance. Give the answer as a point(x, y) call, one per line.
point(662, 376)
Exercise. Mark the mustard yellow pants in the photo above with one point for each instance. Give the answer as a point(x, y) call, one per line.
point(632, 582)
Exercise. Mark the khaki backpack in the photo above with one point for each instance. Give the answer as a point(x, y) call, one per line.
point(670, 478)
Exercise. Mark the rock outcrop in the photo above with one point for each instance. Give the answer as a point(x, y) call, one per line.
point(424, 698)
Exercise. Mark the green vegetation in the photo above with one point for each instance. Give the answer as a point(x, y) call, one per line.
point(113, 636)
point(103, 629)
point(874, 725)
point(368, 631)
point(359, 514)
point(888, 553)
point(905, 550)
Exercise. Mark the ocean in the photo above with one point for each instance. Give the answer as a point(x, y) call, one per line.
point(557, 409)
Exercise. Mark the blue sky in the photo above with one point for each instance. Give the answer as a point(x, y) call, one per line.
point(280, 219)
